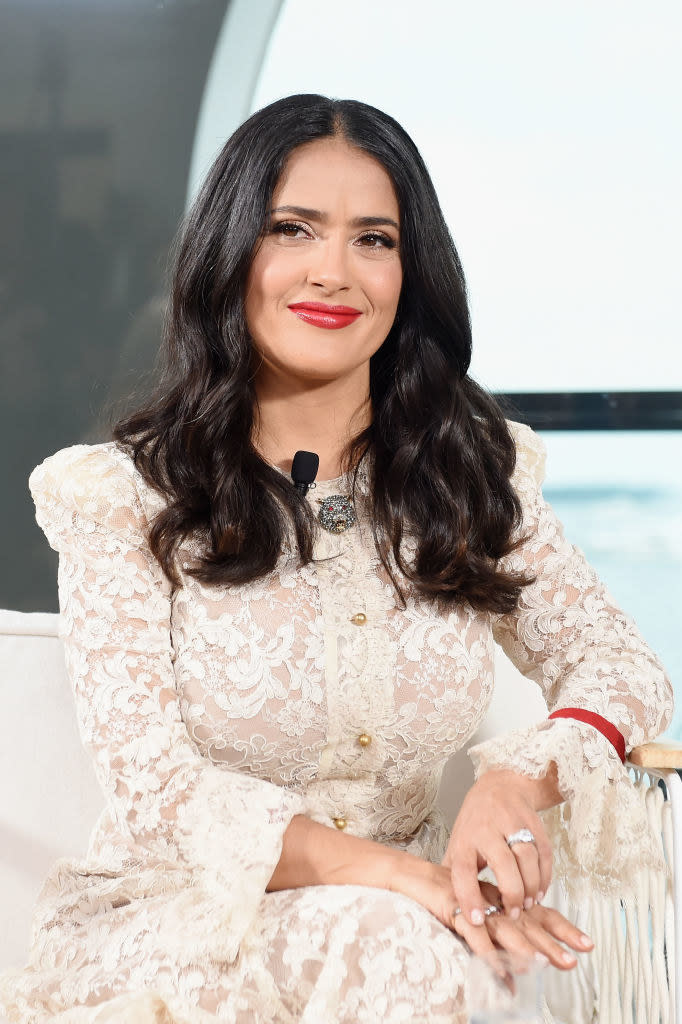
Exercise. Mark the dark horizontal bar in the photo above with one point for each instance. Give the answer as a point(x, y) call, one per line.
point(595, 410)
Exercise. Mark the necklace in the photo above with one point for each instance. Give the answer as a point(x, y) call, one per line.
point(337, 513)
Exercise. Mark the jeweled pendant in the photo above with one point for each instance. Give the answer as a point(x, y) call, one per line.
point(337, 513)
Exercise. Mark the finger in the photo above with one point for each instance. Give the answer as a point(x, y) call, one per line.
point(477, 939)
point(543, 853)
point(508, 935)
point(535, 861)
point(557, 954)
point(545, 859)
point(505, 866)
point(529, 868)
point(465, 883)
point(557, 926)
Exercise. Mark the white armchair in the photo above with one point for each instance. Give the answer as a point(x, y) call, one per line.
point(49, 800)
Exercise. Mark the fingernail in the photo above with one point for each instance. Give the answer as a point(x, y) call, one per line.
point(586, 941)
point(540, 897)
point(567, 958)
point(541, 959)
point(528, 903)
point(515, 913)
point(477, 917)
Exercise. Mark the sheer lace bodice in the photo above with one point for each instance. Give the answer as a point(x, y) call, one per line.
point(215, 714)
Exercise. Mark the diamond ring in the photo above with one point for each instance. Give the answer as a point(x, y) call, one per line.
point(488, 912)
point(523, 835)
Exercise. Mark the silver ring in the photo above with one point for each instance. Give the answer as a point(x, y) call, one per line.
point(487, 912)
point(524, 835)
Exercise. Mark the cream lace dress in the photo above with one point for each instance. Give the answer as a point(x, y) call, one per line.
point(214, 715)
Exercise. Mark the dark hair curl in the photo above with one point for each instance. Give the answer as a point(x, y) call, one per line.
point(438, 452)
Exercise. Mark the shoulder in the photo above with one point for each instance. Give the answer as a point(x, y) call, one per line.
point(531, 455)
point(98, 483)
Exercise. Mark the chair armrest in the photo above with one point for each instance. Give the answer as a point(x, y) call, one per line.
point(657, 755)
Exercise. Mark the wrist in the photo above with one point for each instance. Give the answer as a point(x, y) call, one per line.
point(363, 862)
point(541, 793)
point(404, 868)
point(315, 854)
point(544, 792)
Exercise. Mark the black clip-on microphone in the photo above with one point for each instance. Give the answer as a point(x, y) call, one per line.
point(304, 470)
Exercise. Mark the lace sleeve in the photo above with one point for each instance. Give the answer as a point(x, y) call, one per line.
point(569, 636)
point(171, 805)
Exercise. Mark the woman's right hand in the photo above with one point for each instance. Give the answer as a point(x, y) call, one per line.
point(539, 930)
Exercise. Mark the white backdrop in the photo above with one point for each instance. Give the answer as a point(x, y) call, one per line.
point(552, 131)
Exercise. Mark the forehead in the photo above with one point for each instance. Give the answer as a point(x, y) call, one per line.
point(329, 172)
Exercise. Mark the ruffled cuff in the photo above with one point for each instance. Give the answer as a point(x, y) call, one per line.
point(232, 830)
point(600, 834)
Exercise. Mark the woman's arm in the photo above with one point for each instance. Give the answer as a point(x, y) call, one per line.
point(314, 854)
point(174, 810)
point(498, 804)
point(569, 636)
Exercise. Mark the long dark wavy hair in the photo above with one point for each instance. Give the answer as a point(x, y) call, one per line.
point(438, 453)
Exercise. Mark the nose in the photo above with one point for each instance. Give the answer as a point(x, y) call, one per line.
point(328, 268)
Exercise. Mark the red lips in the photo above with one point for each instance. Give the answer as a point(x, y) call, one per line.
point(319, 314)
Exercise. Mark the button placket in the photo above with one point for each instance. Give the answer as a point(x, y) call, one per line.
point(352, 599)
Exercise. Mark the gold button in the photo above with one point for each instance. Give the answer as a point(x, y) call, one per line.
point(340, 823)
point(364, 740)
point(360, 619)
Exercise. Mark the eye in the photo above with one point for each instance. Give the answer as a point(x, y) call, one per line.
point(376, 240)
point(290, 229)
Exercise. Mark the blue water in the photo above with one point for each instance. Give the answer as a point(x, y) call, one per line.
point(633, 537)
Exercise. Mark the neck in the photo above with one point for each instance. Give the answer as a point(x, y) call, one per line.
point(321, 419)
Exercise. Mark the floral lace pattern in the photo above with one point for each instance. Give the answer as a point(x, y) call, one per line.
point(214, 715)
point(600, 834)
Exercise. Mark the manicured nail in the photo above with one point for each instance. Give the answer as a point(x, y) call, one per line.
point(515, 913)
point(540, 897)
point(586, 941)
point(540, 958)
point(567, 958)
point(528, 903)
point(477, 917)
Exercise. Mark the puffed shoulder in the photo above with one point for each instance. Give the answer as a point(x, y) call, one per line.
point(531, 455)
point(95, 483)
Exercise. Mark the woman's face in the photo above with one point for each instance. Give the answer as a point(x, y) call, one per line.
point(323, 287)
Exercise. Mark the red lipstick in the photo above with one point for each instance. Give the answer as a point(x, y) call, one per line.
point(319, 314)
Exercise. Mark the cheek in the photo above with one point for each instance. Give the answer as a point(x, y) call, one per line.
point(386, 285)
point(269, 280)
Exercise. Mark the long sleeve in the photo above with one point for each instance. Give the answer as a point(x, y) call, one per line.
point(568, 635)
point(171, 807)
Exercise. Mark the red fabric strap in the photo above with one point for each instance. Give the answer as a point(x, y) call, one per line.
point(605, 728)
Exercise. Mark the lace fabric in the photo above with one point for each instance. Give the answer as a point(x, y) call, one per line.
point(214, 715)
point(570, 637)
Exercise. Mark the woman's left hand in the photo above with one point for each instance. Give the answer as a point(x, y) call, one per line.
point(497, 805)
point(537, 933)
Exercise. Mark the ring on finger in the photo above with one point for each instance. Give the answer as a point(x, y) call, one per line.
point(522, 835)
point(487, 912)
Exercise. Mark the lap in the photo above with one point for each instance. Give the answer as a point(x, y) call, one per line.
point(334, 953)
point(375, 954)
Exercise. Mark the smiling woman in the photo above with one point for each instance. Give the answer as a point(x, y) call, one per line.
point(335, 250)
point(269, 700)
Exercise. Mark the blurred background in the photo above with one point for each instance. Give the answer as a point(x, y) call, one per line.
point(552, 134)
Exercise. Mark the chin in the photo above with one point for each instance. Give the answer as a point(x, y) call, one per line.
point(321, 374)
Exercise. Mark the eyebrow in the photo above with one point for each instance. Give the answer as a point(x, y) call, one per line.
point(318, 215)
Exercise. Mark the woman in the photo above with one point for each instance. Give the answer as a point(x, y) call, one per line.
point(271, 681)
